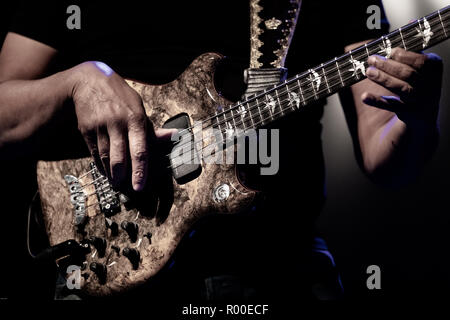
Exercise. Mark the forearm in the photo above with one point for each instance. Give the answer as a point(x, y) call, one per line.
point(393, 152)
point(27, 107)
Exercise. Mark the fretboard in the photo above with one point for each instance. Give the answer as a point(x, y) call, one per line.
point(328, 78)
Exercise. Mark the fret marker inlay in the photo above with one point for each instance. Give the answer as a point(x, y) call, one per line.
point(294, 100)
point(229, 131)
point(386, 47)
point(271, 103)
point(426, 33)
point(242, 111)
point(315, 79)
point(357, 66)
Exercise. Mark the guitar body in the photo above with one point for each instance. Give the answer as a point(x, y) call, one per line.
point(79, 204)
point(216, 190)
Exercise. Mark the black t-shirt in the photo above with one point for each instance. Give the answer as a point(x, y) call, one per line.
point(154, 41)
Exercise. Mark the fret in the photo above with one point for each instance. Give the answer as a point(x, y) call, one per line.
point(250, 115)
point(242, 113)
point(301, 91)
point(295, 95)
point(268, 104)
point(244, 116)
point(385, 47)
point(351, 55)
point(229, 129)
point(344, 70)
point(232, 117)
point(220, 127)
point(265, 115)
point(259, 111)
point(403, 40)
point(315, 80)
point(325, 77)
point(289, 95)
point(354, 69)
point(253, 116)
point(339, 72)
point(442, 23)
point(225, 118)
point(279, 102)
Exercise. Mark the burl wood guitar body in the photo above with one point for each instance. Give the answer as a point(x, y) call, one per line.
point(192, 93)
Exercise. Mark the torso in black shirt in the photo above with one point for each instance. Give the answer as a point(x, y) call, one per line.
point(154, 41)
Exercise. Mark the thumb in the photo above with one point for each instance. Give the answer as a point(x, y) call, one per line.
point(389, 103)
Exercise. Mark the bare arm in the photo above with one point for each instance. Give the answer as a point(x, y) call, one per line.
point(108, 113)
point(26, 104)
point(396, 112)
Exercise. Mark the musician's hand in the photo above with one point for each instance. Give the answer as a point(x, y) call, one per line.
point(112, 120)
point(416, 81)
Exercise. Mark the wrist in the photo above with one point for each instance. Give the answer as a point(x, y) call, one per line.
point(85, 72)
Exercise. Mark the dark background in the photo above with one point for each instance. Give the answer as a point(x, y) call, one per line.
point(404, 232)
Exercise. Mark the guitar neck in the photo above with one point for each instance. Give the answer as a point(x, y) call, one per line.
point(330, 77)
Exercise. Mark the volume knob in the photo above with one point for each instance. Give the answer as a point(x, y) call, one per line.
point(100, 270)
point(131, 228)
point(111, 225)
point(99, 244)
point(133, 255)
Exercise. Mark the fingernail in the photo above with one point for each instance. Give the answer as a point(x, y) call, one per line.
point(138, 183)
point(372, 60)
point(138, 186)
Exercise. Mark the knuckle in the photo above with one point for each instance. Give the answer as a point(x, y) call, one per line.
point(387, 81)
point(104, 155)
point(380, 63)
point(86, 130)
point(115, 116)
point(420, 61)
point(119, 146)
point(395, 54)
point(381, 77)
point(117, 163)
point(406, 89)
point(138, 173)
point(412, 75)
point(138, 118)
point(137, 122)
point(399, 54)
point(140, 155)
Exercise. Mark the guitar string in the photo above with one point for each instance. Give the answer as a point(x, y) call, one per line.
point(319, 92)
point(410, 27)
point(330, 71)
point(282, 93)
point(295, 87)
point(307, 91)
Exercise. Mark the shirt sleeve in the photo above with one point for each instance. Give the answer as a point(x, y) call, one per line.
point(43, 21)
point(354, 21)
point(325, 27)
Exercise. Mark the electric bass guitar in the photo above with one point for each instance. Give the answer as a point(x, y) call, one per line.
point(117, 246)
